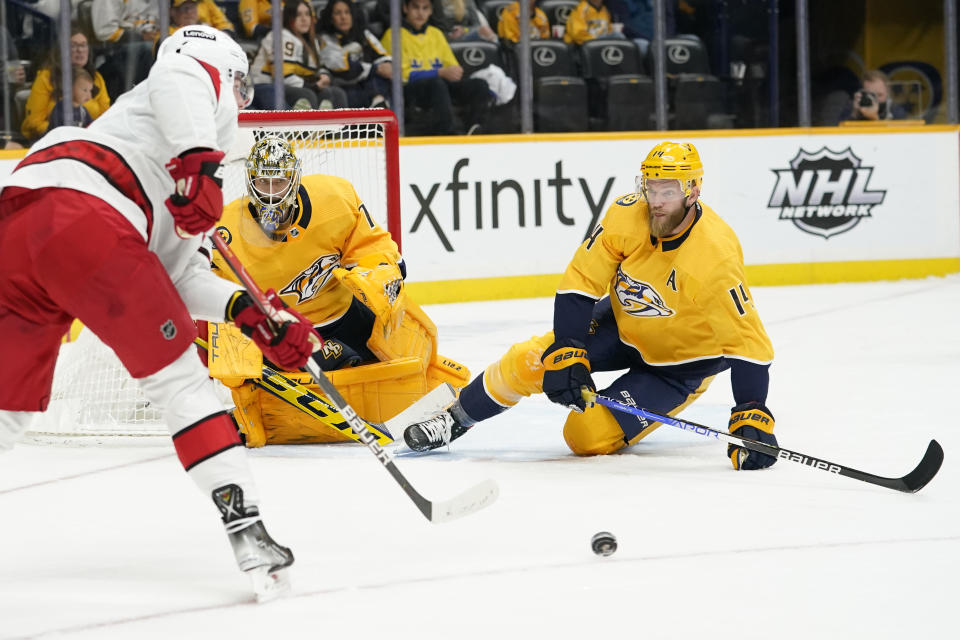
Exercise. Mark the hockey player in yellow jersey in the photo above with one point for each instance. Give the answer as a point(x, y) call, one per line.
point(312, 240)
point(658, 289)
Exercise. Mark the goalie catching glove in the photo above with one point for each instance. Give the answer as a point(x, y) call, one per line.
point(288, 345)
point(751, 420)
point(379, 288)
point(197, 199)
point(567, 373)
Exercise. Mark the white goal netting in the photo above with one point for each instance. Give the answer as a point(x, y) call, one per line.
point(94, 400)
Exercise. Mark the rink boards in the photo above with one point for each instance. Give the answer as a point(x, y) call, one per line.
point(500, 216)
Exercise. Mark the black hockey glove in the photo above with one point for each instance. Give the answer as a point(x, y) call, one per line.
point(567, 373)
point(751, 420)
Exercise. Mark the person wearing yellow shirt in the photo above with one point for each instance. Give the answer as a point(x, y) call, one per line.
point(509, 26)
point(433, 78)
point(656, 292)
point(590, 19)
point(187, 12)
point(256, 16)
point(44, 93)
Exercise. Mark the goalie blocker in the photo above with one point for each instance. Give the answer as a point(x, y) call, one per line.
point(409, 367)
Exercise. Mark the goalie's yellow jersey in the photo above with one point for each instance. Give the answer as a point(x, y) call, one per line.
point(333, 228)
point(677, 300)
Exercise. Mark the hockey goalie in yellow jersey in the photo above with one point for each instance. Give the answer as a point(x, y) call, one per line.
point(657, 289)
point(313, 244)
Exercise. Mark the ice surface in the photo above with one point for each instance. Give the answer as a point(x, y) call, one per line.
point(117, 543)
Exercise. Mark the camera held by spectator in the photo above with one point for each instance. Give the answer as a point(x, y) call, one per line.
point(872, 101)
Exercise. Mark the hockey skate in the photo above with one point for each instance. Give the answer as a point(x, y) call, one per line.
point(263, 560)
point(440, 430)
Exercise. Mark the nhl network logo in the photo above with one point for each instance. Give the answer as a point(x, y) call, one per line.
point(825, 193)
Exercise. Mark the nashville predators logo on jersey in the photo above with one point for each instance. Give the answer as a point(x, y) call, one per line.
point(639, 298)
point(308, 282)
point(628, 199)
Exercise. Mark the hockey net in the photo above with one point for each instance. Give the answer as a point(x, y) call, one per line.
point(94, 400)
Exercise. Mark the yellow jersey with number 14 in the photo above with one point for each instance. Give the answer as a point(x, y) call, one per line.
point(676, 300)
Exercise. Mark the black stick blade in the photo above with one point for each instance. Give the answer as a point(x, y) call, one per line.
point(925, 471)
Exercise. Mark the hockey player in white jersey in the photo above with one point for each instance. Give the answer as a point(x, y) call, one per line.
point(106, 225)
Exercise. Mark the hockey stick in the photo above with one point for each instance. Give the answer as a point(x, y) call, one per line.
point(471, 500)
point(299, 397)
point(910, 483)
point(302, 399)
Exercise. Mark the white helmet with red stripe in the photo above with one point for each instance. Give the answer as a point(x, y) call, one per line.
point(216, 48)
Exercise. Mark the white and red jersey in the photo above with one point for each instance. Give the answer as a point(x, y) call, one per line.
point(120, 159)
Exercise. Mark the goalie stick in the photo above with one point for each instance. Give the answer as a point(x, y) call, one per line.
point(910, 483)
point(473, 499)
point(302, 399)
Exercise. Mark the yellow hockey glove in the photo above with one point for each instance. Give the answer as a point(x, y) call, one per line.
point(751, 420)
point(380, 289)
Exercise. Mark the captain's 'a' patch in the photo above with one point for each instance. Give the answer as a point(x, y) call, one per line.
point(672, 280)
point(639, 298)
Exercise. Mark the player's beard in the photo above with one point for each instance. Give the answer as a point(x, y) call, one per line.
point(664, 226)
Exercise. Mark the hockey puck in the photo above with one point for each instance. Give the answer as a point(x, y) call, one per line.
point(603, 543)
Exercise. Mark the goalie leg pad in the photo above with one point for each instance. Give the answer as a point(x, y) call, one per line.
point(443, 369)
point(415, 336)
point(248, 414)
point(377, 392)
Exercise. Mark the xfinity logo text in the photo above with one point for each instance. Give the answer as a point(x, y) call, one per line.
point(825, 192)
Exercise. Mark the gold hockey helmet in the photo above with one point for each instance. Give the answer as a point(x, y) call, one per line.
point(273, 179)
point(672, 161)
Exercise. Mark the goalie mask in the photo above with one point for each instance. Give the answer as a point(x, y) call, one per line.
point(672, 161)
point(273, 179)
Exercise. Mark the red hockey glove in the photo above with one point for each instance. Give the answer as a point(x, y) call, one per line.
point(289, 345)
point(197, 200)
point(567, 373)
point(751, 420)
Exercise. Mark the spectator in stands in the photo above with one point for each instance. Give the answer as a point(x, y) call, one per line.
point(18, 73)
point(187, 12)
point(433, 78)
point(12, 78)
point(509, 26)
point(307, 84)
point(128, 29)
point(589, 20)
point(359, 63)
point(872, 101)
point(256, 16)
point(81, 94)
point(462, 21)
point(46, 88)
